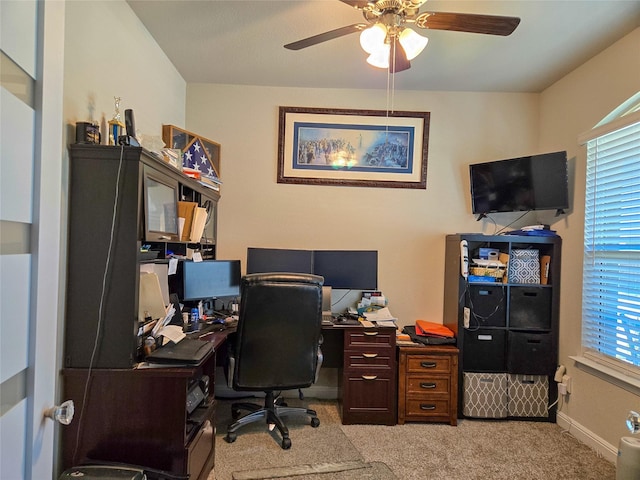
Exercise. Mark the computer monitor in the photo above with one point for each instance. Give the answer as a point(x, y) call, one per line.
point(347, 269)
point(265, 260)
point(210, 279)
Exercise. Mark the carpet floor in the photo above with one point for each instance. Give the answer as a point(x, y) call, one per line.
point(474, 450)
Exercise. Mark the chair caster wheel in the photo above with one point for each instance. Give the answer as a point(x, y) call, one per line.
point(231, 437)
point(315, 422)
point(286, 443)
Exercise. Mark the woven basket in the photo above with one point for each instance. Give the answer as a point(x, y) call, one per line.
point(488, 271)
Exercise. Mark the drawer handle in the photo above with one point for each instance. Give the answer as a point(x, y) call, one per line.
point(369, 377)
point(427, 364)
point(372, 333)
point(369, 355)
point(427, 406)
point(427, 385)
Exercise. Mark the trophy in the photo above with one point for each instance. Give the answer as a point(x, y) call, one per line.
point(116, 127)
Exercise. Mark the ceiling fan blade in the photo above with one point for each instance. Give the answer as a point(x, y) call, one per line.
point(330, 35)
point(398, 58)
point(359, 4)
point(468, 22)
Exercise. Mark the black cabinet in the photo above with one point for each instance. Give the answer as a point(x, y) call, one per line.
point(110, 219)
point(506, 324)
point(123, 213)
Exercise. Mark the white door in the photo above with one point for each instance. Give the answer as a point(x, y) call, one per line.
point(31, 55)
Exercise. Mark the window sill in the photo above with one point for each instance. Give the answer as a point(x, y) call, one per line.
point(608, 374)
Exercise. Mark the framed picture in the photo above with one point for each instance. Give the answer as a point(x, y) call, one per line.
point(363, 148)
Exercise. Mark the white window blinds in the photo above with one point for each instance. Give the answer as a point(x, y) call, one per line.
point(611, 281)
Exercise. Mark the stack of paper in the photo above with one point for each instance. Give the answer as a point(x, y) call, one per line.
point(382, 317)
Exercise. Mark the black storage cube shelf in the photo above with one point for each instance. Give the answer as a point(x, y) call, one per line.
point(488, 306)
point(530, 353)
point(530, 308)
point(484, 350)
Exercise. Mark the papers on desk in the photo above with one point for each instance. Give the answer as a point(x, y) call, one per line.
point(172, 333)
point(382, 317)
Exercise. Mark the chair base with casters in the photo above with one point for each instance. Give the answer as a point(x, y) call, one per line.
point(271, 413)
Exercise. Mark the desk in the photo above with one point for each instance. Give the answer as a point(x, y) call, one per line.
point(366, 360)
point(138, 416)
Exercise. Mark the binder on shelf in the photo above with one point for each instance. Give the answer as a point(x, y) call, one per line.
point(186, 210)
point(199, 221)
point(545, 260)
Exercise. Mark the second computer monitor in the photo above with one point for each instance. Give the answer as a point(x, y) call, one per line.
point(347, 269)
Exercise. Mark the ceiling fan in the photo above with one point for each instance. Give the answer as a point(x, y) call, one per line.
point(391, 44)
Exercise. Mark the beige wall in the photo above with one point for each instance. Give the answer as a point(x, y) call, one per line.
point(109, 53)
point(572, 106)
point(406, 226)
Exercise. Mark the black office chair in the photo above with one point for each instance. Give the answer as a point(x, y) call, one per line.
point(277, 346)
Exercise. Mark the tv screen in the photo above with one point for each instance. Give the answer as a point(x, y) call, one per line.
point(347, 269)
point(536, 182)
point(210, 279)
point(265, 260)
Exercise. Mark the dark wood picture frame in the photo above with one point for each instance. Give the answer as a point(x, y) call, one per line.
point(360, 148)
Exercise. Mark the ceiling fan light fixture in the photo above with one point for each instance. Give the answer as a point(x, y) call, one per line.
point(380, 57)
point(412, 42)
point(373, 38)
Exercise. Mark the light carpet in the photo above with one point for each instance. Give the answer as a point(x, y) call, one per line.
point(474, 450)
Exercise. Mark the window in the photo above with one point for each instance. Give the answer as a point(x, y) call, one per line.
point(611, 281)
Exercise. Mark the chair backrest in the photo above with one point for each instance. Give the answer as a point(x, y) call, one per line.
point(279, 330)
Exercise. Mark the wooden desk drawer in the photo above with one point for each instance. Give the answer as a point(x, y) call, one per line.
point(428, 364)
point(371, 398)
point(369, 358)
point(201, 451)
point(427, 407)
point(369, 338)
point(421, 385)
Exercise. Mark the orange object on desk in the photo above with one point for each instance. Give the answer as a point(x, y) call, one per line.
point(424, 327)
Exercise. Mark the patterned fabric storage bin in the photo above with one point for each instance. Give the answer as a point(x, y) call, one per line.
point(528, 395)
point(485, 395)
point(524, 266)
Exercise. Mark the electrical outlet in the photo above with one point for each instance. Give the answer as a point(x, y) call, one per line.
point(467, 315)
point(562, 389)
point(566, 381)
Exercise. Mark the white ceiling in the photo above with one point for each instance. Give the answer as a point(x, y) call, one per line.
point(241, 42)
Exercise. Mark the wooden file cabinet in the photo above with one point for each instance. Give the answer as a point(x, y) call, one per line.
point(369, 376)
point(428, 384)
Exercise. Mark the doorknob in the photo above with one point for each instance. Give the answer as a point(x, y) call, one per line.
point(62, 413)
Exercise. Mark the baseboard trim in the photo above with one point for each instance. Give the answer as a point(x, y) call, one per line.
point(586, 436)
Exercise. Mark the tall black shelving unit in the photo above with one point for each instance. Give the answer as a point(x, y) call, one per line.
point(507, 332)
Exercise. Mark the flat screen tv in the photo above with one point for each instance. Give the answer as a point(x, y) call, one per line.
point(536, 182)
